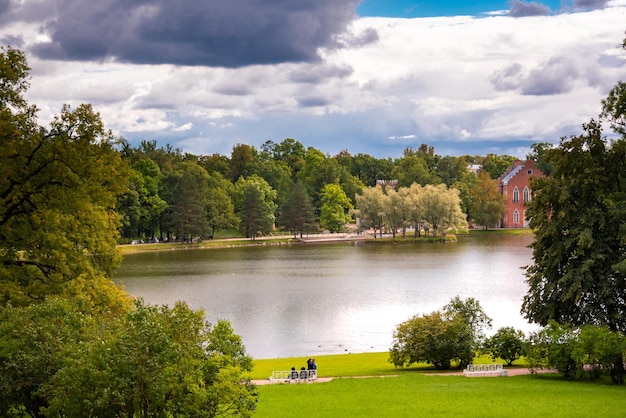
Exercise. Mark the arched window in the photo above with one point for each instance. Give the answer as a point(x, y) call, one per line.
point(526, 195)
point(516, 216)
point(515, 195)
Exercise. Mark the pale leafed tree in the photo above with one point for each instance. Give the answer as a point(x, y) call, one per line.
point(370, 208)
point(442, 209)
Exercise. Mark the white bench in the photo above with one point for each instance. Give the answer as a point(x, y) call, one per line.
point(477, 370)
point(288, 376)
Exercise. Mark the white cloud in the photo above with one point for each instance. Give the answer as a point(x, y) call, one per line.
point(449, 82)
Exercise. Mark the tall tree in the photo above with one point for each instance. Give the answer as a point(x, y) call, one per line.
point(58, 193)
point(220, 207)
point(188, 216)
point(335, 208)
point(297, 213)
point(370, 208)
point(241, 160)
point(442, 209)
point(578, 218)
point(255, 205)
point(488, 206)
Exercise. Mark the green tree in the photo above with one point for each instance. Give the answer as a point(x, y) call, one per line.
point(38, 339)
point(220, 207)
point(614, 109)
point(58, 193)
point(368, 169)
point(254, 203)
point(141, 206)
point(538, 154)
point(335, 208)
point(496, 165)
point(507, 344)
point(156, 362)
point(578, 215)
point(370, 208)
point(288, 151)
point(413, 197)
point(188, 207)
point(435, 339)
point(441, 209)
point(413, 169)
point(473, 314)
point(297, 212)
point(241, 161)
point(488, 204)
point(33, 349)
point(397, 210)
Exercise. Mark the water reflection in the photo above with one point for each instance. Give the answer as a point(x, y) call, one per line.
point(302, 300)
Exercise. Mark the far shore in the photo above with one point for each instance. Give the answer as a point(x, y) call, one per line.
point(309, 239)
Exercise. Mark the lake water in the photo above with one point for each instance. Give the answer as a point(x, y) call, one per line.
point(303, 300)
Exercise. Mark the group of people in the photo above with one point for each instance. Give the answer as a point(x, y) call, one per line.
point(310, 371)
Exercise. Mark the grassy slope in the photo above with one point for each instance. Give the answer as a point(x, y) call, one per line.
point(416, 392)
point(419, 395)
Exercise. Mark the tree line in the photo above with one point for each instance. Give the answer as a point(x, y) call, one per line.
point(287, 186)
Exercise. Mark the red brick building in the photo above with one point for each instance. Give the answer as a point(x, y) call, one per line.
point(514, 186)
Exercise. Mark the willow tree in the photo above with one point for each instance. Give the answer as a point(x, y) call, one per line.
point(58, 193)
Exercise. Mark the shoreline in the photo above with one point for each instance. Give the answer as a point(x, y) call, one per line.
point(322, 238)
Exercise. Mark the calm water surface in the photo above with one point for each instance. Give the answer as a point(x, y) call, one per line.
point(302, 300)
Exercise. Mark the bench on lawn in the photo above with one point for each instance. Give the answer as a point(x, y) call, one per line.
point(296, 376)
point(477, 370)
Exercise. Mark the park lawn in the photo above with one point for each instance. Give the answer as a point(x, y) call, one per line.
point(416, 394)
point(345, 365)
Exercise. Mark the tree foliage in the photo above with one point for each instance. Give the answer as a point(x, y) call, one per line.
point(297, 213)
point(442, 337)
point(434, 339)
point(255, 204)
point(334, 213)
point(507, 344)
point(58, 193)
point(578, 217)
point(588, 351)
point(442, 209)
point(488, 204)
point(59, 360)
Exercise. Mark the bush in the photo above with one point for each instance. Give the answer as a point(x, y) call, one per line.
point(507, 343)
point(433, 339)
point(587, 351)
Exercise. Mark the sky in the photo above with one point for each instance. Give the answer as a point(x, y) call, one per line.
point(372, 76)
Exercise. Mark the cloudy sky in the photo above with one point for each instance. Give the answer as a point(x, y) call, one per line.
point(370, 76)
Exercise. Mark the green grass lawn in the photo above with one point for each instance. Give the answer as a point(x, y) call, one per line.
point(421, 395)
point(419, 392)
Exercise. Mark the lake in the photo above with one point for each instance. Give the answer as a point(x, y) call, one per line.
point(306, 299)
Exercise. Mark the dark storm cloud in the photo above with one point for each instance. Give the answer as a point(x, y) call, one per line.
point(233, 33)
point(589, 4)
point(557, 76)
point(523, 9)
